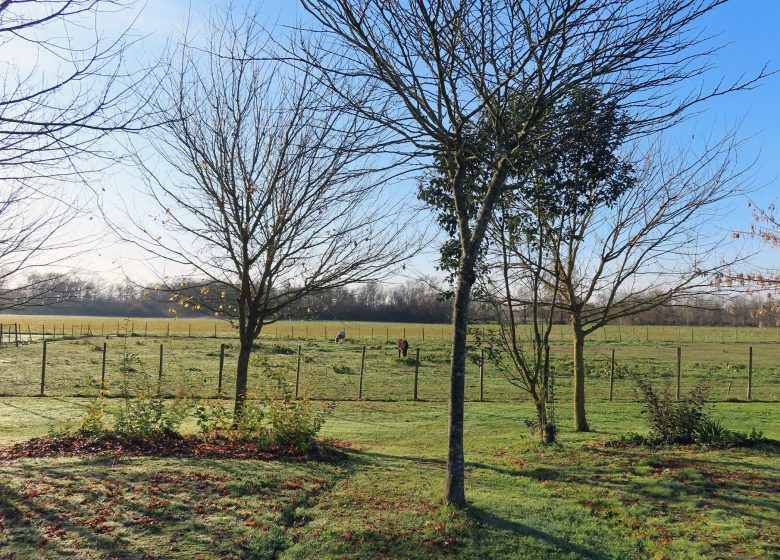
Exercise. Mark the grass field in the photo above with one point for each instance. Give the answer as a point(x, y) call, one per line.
point(577, 499)
point(331, 371)
point(574, 500)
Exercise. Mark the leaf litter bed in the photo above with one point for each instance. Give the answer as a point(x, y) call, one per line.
point(166, 446)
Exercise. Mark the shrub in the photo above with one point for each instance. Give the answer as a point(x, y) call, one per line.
point(343, 369)
point(145, 417)
point(266, 422)
point(92, 424)
point(672, 421)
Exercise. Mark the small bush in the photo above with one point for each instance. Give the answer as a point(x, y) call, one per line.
point(342, 369)
point(672, 421)
point(274, 349)
point(92, 424)
point(285, 422)
point(146, 417)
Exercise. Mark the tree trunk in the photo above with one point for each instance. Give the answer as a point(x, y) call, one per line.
point(242, 374)
point(454, 490)
point(580, 424)
point(546, 431)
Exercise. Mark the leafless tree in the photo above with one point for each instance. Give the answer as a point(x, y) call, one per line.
point(266, 191)
point(656, 245)
point(434, 70)
point(64, 87)
point(520, 276)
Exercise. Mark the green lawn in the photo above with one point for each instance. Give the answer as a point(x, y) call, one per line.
point(574, 500)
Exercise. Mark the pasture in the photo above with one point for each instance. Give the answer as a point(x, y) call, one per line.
point(577, 499)
point(329, 371)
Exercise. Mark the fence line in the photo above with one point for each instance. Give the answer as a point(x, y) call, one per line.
point(415, 381)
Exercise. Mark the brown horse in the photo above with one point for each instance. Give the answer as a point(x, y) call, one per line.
point(403, 347)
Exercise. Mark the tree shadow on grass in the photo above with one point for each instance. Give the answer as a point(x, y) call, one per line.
point(492, 521)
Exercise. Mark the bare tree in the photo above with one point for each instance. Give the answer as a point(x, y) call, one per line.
point(520, 276)
point(434, 69)
point(64, 88)
point(264, 192)
point(653, 245)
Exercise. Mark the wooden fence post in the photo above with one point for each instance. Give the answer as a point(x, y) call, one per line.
point(362, 369)
point(43, 369)
point(160, 370)
point(215, 330)
point(16, 334)
point(103, 370)
point(423, 334)
point(189, 330)
point(482, 375)
point(750, 374)
point(1, 335)
point(146, 329)
point(298, 372)
point(679, 370)
point(612, 377)
point(221, 366)
point(416, 372)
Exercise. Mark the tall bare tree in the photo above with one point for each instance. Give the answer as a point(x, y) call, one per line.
point(434, 69)
point(652, 245)
point(266, 192)
point(64, 88)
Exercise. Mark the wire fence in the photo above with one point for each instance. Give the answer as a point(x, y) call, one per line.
point(83, 364)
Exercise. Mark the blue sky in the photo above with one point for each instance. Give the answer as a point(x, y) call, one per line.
point(747, 29)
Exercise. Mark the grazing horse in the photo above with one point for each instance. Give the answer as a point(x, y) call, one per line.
point(403, 347)
point(341, 336)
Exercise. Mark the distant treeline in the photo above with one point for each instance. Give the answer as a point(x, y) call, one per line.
point(412, 302)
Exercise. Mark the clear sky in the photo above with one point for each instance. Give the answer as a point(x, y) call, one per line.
point(748, 30)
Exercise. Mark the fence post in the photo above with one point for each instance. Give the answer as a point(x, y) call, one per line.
point(103, 370)
point(416, 372)
point(362, 369)
point(481, 375)
point(612, 377)
point(146, 329)
point(215, 330)
point(43, 369)
point(298, 372)
point(221, 366)
point(160, 370)
point(189, 330)
point(679, 370)
point(326, 332)
point(423, 334)
point(167, 329)
point(387, 332)
point(750, 374)
point(1, 335)
point(16, 334)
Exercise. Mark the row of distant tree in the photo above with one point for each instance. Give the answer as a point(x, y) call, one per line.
point(411, 302)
